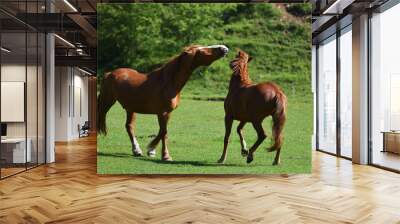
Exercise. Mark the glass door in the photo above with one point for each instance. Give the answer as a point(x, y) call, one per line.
point(346, 95)
point(14, 153)
point(385, 89)
point(327, 95)
point(22, 78)
point(32, 98)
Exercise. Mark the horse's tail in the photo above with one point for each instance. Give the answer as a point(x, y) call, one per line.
point(278, 119)
point(105, 100)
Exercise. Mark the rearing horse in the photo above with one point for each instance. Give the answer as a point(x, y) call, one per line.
point(158, 92)
point(247, 102)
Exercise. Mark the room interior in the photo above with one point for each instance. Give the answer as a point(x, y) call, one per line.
point(48, 92)
point(334, 60)
point(25, 100)
point(22, 105)
point(385, 74)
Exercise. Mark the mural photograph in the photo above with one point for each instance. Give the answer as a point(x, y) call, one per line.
point(188, 88)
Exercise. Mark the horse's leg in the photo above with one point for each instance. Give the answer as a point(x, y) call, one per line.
point(228, 128)
point(163, 121)
point(242, 141)
point(151, 148)
point(260, 138)
point(277, 157)
point(130, 126)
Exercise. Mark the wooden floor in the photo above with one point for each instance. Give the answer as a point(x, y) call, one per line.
point(387, 159)
point(70, 191)
point(8, 171)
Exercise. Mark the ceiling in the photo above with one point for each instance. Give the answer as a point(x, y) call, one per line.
point(74, 22)
point(328, 15)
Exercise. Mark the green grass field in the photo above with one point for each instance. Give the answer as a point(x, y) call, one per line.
point(196, 132)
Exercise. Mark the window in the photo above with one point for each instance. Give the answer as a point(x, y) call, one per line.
point(385, 89)
point(346, 95)
point(327, 95)
point(22, 77)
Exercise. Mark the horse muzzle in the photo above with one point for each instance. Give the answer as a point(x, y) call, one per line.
point(224, 49)
point(221, 49)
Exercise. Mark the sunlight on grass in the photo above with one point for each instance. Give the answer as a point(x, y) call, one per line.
point(196, 132)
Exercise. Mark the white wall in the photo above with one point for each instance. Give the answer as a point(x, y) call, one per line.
point(80, 88)
point(12, 73)
point(62, 81)
point(16, 73)
point(33, 127)
point(71, 87)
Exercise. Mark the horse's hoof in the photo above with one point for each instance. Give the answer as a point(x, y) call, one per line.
point(245, 152)
point(276, 163)
point(249, 159)
point(271, 149)
point(137, 154)
point(221, 161)
point(167, 158)
point(151, 153)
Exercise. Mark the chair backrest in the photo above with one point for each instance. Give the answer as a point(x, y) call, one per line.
point(86, 125)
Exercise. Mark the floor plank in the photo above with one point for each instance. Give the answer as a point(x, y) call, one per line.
point(70, 191)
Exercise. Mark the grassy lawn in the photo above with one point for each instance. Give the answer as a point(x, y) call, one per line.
point(196, 132)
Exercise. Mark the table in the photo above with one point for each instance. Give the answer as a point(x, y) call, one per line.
point(391, 141)
point(13, 150)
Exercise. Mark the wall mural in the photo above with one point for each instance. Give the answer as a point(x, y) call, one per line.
point(204, 88)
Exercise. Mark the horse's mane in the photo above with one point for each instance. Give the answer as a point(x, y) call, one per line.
point(239, 67)
point(175, 59)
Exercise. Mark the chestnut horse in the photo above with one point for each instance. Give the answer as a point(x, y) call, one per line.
point(157, 92)
point(247, 102)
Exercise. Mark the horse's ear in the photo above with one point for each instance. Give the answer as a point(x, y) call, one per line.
point(238, 53)
point(249, 60)
point(187, 56)
point(190, 51)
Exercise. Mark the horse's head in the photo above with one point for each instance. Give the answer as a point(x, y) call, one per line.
point(239, 65)
point(241, 58)
point(205, 55)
